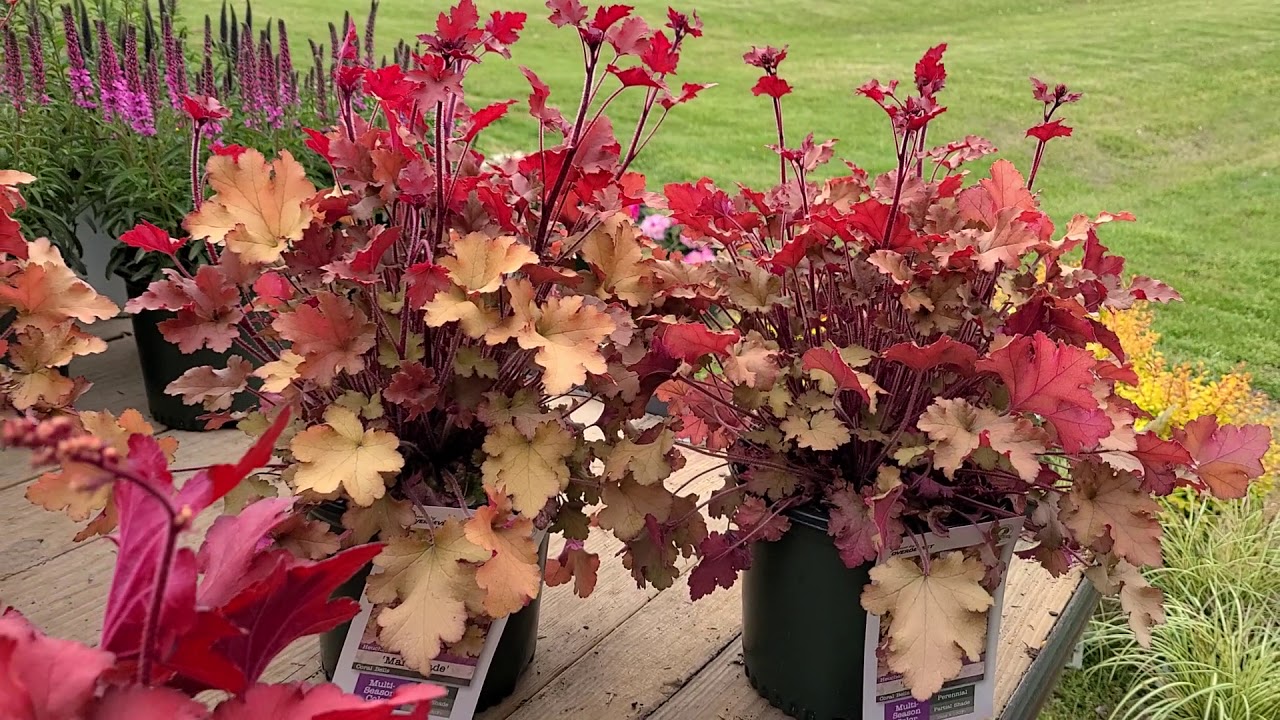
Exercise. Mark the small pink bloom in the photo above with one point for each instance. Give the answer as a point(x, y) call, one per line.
point(655, 226)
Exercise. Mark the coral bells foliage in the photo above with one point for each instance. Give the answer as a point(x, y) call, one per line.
point(179, 621)
point(434, 320)
point(47, 303)
point(911, 352)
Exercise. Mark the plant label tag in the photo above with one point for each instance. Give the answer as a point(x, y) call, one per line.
point(372, 672)
point(971, 695)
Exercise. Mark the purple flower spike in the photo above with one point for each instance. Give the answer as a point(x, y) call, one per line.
point(13, 70)
point(35, 52)
point(82, 91)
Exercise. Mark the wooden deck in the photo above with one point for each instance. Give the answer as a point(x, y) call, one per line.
point(623, 653)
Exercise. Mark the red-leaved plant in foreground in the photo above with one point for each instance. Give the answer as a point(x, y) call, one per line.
point(913, 352)
point(179, 621)
point(434, 320)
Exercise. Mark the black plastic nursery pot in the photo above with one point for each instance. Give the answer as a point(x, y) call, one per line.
point(803, 625)
point(510, 660)
point(162, 363)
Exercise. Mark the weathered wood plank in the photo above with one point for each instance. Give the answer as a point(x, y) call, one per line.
point(35, 536)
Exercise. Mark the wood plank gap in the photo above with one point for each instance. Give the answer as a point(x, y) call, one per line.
point(732, 645)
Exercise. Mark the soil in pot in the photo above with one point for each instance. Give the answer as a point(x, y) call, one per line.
point(510, 660)
point(162, 363)
point(803, 625)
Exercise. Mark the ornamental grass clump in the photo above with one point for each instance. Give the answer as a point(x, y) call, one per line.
point(911, 352)
point(436, 322)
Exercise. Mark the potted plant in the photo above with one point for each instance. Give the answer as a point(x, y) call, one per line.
point(438, 322)
point(896, 355)
point(43, 304)
point(100, 109)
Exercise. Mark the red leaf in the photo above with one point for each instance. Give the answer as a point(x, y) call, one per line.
point(872, 218)
point(11, 240)
point(773, 86)
point(204, 109)
point(425, 280)
point(149, 237)
point(325, 702)
point(290, 602)
point(144, 525)
point(1056, 381)
point(629, 37)
point(272, 289)
point(607, 15)
point(504, 29)
point(1226, 457)
point(45, 678)
point(1144, 288)
point(788, 256)
point(538, 95)
point(691, 341)
point(829, 361)
point(634, 77)
point(943, 351)
point(660, 55)
point(688, 91)
point(1160, 462)
point(232, 151)
point(139, 702)
point(1044, 132)
point(723, 556)
point(458, 27)
point(232, 544)
point(484, 117)
point(566, 12)
point(224, 478)
point(931, 75)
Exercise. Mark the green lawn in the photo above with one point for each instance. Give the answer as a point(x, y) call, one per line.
point(1180, 122)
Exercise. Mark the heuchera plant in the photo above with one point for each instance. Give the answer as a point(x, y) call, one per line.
point(435, 321)
point(916, 351)
point(180, 621)
point(44, 302)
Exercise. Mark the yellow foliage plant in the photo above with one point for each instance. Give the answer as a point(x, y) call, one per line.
point(1176, 393)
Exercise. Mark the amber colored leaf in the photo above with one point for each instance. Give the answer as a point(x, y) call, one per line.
point(1110, 512)
point(258, 209)
point(1226, 457)
point(753, 362)
point(452, 305)
point(567, 334)
point(45, 292)
point(1143, 603)
point(936, 619)
point(647, 461)
point(1017, 439)
point(511, 577)
point(574, 563)
point(432, 578)
point(342, 454)
point(279, 374)
point(479, 262)
point(331, 336)
point(530, 470)
point(309, 539)
point(817, 431)
point(627, 503)
point(616, 257)
point(216, 389)
point(385, 518)
point(952, 425)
